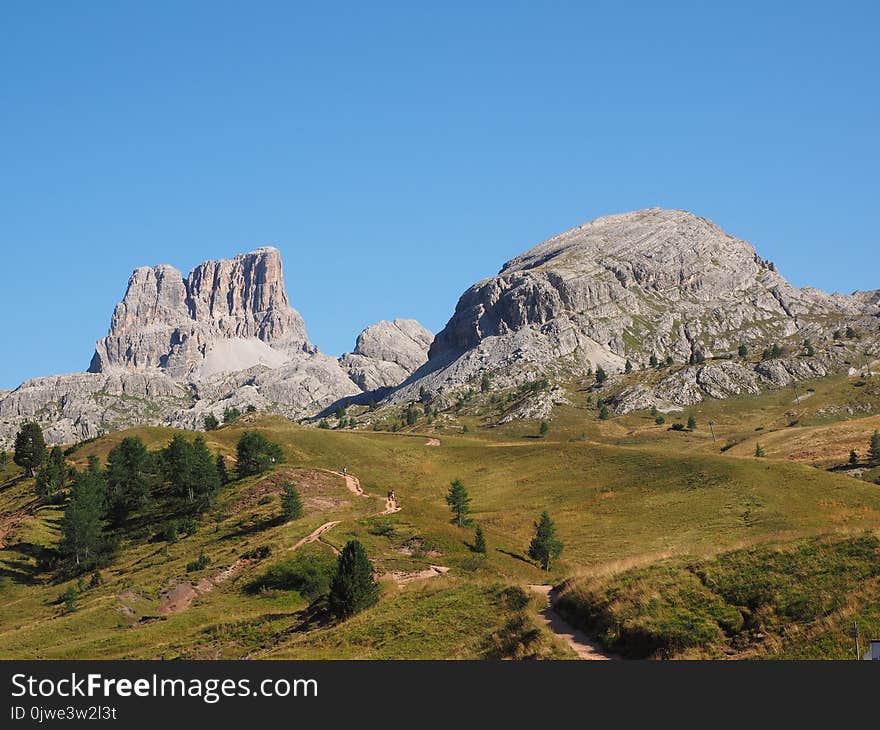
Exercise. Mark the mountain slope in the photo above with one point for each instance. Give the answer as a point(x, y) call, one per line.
point(626, 287)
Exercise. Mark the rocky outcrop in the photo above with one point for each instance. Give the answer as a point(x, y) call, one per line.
point(627, 286)
point(179, 348)
point(690, 385)
point(85, 405)
point(387, 353)
point(537, 406)
point(226, 315)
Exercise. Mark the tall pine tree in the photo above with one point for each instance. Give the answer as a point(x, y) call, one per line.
point(82, 524)
point(52, 476)
point(291, 504)
point(545, 546)
point(459, 501)
point(130, 478)
point(353, 587)
point(256, 454)
point(874, 448)
point(205, 478)
point(30, 447)
point(177, 467)
point(221, 470)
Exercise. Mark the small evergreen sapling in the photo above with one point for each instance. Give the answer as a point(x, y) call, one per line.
point(291, 504)
point(479, 541)
point(545, 546)
point(30, 447)
point(459, 501)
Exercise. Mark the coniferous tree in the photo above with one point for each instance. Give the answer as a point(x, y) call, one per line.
point(743, 350)
point(231, 414)
point(353, 588)
point(604, 413)
point(545, 546)
point(874, 448)
point(669, 360)
point(205, 477)
point(628, 368)
point(222, 472)
point(291, 504)
point(544, 428)
point(256, 454)
point(692, 422)
point(601, 375)
point(211, 422)
point(853, 457)
point(479, 541)
point(485, 383)
point(459, 501)
point(652, 361)
point(52, 476)
point(82, 524)
point(759, 452)
point(177, 467)
point(30, 447)
point(130, 477)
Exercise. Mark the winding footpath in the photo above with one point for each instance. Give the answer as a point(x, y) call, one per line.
point(580, 643)
point(354, 486)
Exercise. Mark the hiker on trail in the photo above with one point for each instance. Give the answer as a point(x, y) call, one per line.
point(344, 471)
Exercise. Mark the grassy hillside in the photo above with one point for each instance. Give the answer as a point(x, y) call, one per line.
point(792, 601)
point(626, 494)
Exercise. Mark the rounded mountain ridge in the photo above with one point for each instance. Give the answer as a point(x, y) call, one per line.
point(655, 238)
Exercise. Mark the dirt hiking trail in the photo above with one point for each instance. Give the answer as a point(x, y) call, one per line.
point(316, 535)
point(580, 643)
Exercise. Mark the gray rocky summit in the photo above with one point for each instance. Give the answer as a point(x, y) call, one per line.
point(624, 287)
point(620, 288)
point(387, 353)
point(179, 348)
point(226, 315)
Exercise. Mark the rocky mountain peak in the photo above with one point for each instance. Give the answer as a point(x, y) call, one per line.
point(172, 323)
point(671, 252)
point(387, 353)
point(624, 287)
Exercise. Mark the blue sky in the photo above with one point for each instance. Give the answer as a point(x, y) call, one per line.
point(396, 153)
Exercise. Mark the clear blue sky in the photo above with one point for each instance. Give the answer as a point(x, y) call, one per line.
point(396, 154)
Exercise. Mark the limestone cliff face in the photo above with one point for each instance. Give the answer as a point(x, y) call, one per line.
point(181, 347)
point(662, 282)
point(170, 323)
point(387, 353)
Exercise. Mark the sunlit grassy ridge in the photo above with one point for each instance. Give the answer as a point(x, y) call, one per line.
point(624, 493)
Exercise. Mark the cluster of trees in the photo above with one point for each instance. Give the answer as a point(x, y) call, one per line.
point(771, 353)
point(231, 414)
point(544, 547)
point(101, 499)
point(654, 362)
